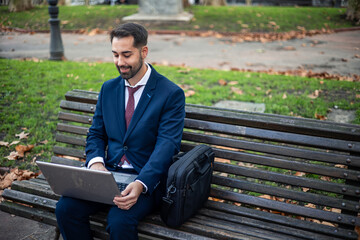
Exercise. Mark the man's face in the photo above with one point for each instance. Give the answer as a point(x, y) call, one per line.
point(127, 58)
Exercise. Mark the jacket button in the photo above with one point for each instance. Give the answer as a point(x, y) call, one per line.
point(125, 148)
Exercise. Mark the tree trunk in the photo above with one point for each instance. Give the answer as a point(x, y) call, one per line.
point(353, 11)
point(215, 2)
point(19, 5)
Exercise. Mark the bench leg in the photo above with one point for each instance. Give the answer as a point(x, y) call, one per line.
point(57, 233)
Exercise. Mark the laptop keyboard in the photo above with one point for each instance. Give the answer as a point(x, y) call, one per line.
point(122, 186)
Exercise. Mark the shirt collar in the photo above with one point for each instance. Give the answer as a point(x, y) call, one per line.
point(143, 80)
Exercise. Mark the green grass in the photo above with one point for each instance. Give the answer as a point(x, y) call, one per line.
point(219, 19)
point(30, 93)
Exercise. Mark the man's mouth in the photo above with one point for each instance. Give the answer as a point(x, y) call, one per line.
point(124, 69)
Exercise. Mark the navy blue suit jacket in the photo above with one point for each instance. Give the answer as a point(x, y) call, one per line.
point(154, 133)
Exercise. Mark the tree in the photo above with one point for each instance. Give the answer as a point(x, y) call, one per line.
point(353, 11)
point(19, 5)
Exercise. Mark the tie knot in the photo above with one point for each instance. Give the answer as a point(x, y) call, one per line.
point(132, 90)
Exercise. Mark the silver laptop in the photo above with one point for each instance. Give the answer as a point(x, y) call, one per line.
point(83, 183)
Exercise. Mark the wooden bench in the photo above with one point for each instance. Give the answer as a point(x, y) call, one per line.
point(276, 177)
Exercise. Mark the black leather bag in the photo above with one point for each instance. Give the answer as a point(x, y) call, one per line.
point(188, 185)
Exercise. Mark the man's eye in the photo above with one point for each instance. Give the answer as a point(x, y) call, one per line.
point(127, 56)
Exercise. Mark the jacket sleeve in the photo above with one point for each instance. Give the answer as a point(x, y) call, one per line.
point(96, 140)
point(168, 140)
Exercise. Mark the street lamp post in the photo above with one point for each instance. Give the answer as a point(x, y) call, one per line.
point(56, 45)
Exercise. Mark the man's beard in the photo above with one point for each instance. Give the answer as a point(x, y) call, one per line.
point(133, 69)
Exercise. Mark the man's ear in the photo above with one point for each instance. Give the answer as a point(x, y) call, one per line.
point(144, 51)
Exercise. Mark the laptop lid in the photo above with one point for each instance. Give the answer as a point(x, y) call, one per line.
point(83, 183)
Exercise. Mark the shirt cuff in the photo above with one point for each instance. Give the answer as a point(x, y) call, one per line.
point(95, 160)
point(145, 187)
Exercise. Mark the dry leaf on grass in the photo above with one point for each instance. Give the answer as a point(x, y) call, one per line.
point(21, 149)
point(320, 117)
point(4, 143)
point(22, 135)
point(189, 93)
point(15, 174)
point(13, 156)
point(237, 90)
point(222, 82)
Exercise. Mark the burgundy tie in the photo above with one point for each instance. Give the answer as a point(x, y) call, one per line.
point(129, 112)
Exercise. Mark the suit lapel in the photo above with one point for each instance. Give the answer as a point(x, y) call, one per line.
point(143, 102)
point(120, 107)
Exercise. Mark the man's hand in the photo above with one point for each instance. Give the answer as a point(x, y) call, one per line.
point(129, 196)
point(98, 166)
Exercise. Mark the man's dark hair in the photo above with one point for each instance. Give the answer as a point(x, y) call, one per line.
point(131, 29)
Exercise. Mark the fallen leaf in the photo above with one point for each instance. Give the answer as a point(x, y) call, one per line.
point(314, 95)
point(15, 174)
point(300, 174)
point(310, 205)
point(44, 142)
point(222, 82)
point(289, 48)
point(94, 32)
point(189, 93)
point(237, 90)
point(22, 135)
point(14, 143)
point(272, 23)
point(6, 144)
point(320, 117)
point(232, 83)
point(21, 149)
point(222, 160)
point(13, 156)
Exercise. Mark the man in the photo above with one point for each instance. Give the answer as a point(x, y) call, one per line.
point(143, 143)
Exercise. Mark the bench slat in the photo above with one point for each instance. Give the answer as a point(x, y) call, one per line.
point(32, 213)
point(240, 228)
point(308, 154)
point(286, 208)
point(275, 122)
point(271, 228)
point(82, 96)
point(288, 194)
point(288, 179)
point(66, 161)
point(76, 106)
point(58, 150)
point(35, 189)
point(75, 117)
point(279, 220)
point(287, 164)
point(61, 127)
point(30, 199)
point(203, 230)
point(70, 139)
point(270, 135)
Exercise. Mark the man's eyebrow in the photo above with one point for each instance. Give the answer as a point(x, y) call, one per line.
point(124, 52)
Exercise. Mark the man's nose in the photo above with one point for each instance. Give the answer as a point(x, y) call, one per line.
point(120, 60)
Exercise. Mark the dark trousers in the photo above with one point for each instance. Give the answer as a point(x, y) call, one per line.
point(73, 217)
